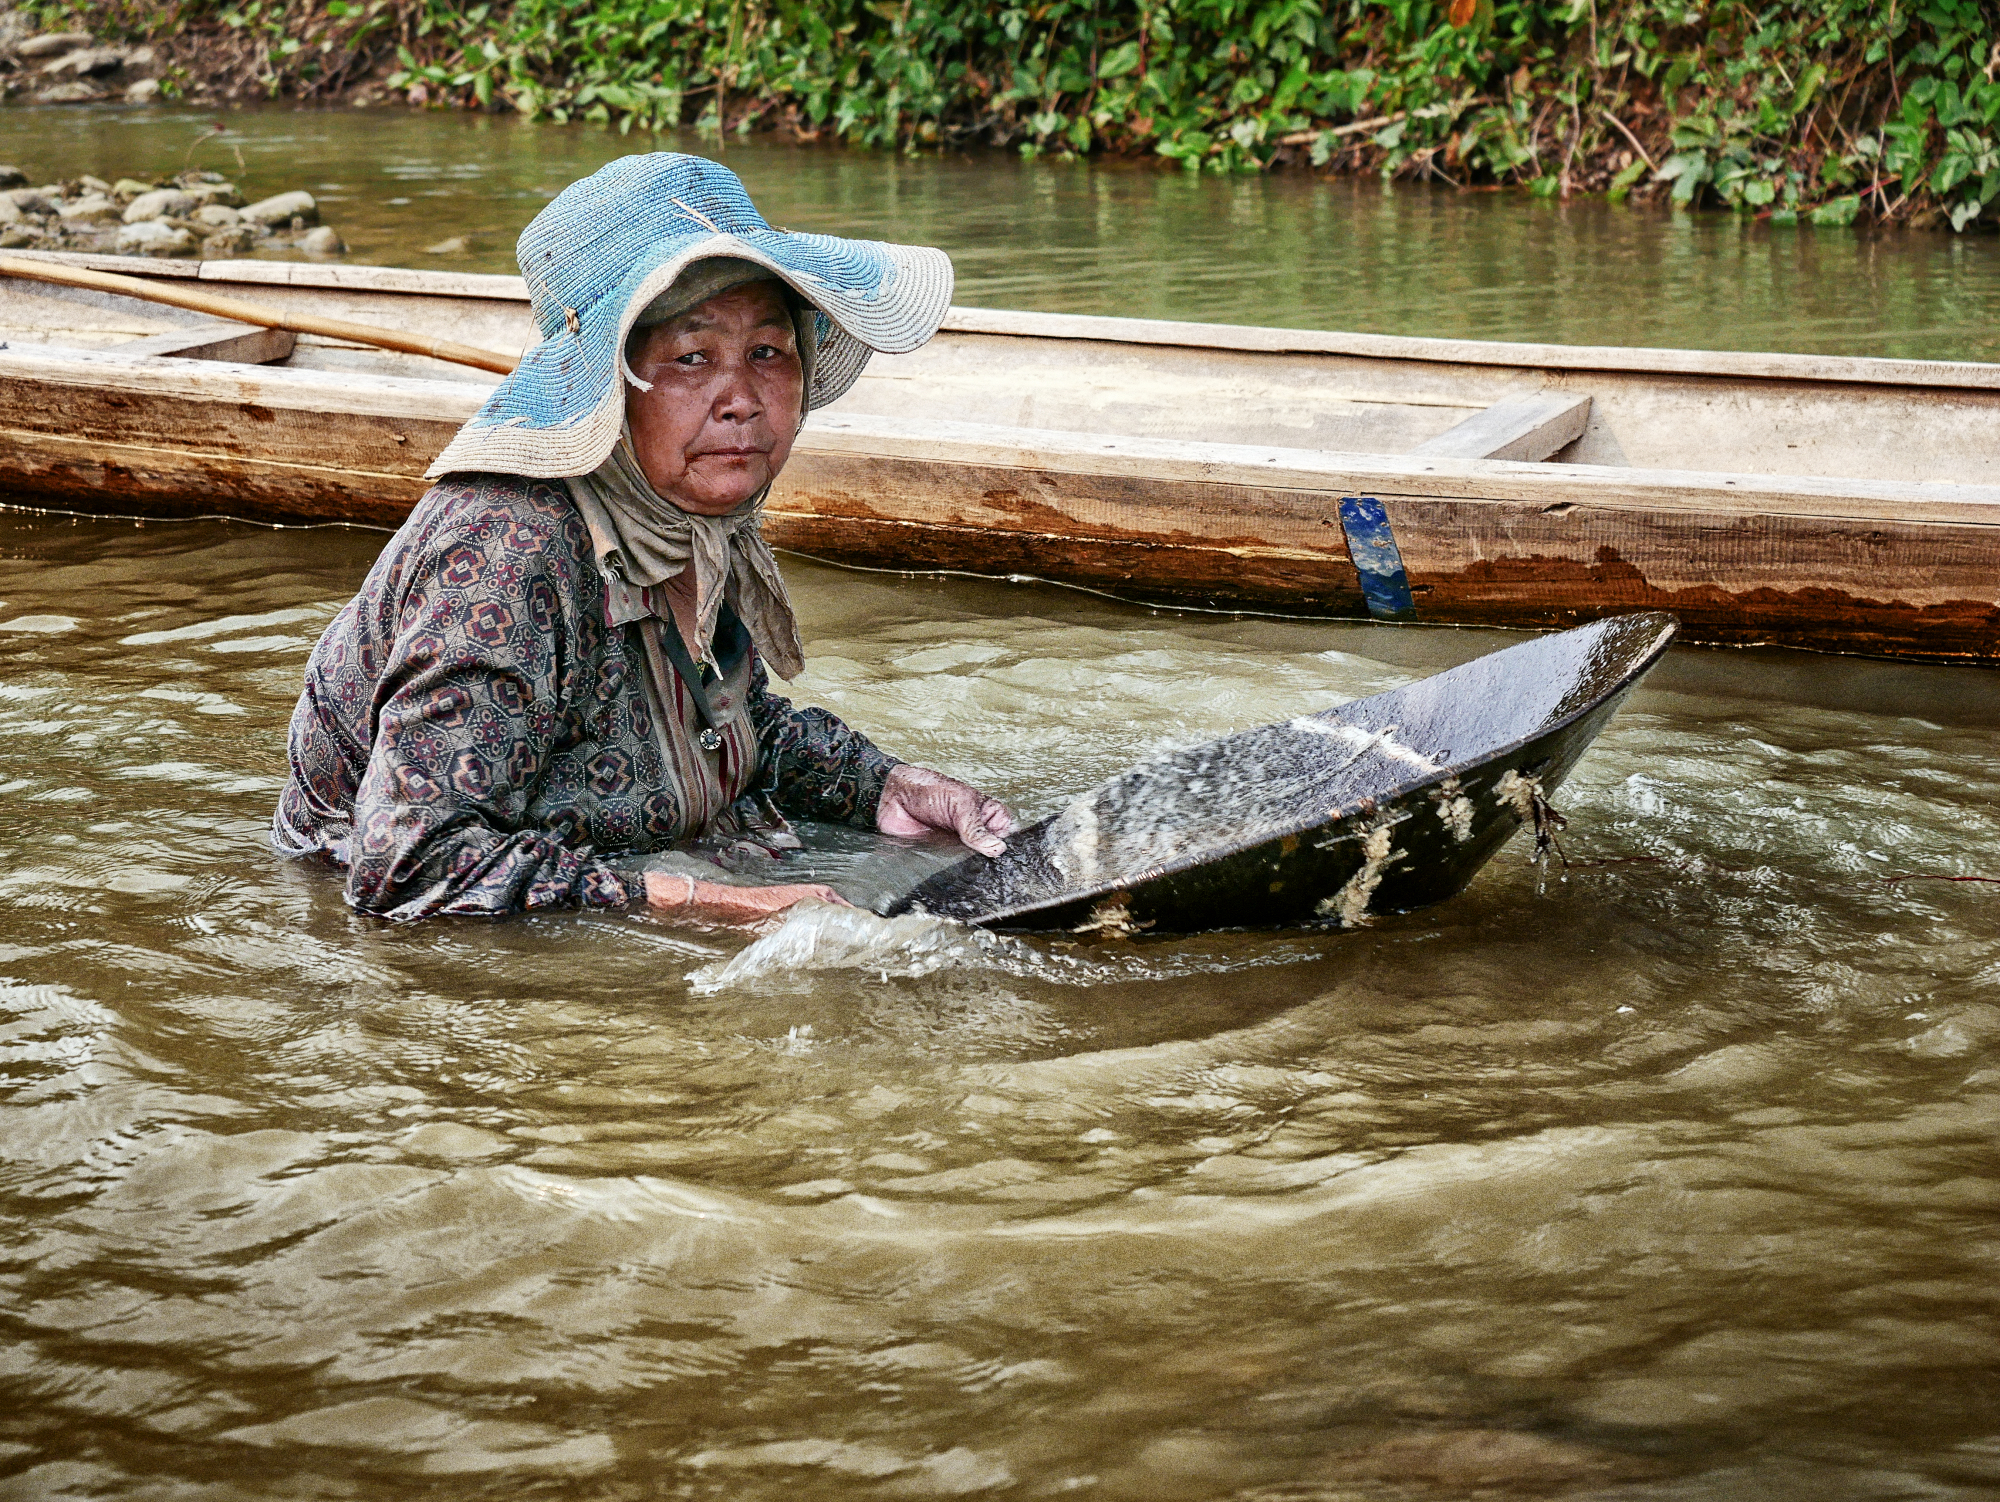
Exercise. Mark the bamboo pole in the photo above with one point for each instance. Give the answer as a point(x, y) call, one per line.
point(256, 313)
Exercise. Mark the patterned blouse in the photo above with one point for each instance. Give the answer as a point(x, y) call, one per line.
point(475, 737)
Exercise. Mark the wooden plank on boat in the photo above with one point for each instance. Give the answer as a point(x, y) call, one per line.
point(456, 309)
point(1353, 404)
point(218, 339)
point(1731, 364)
point(229, 386)
point(398, 279)
point(1528, 428)
point(161, 266)
point(305, 274)
point(1162, 468)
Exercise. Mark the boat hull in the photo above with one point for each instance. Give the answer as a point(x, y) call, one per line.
point(1879, 569)
point(273, 446)
point(1059, 448)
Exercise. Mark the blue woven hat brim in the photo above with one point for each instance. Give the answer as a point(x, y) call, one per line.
point(562, 410)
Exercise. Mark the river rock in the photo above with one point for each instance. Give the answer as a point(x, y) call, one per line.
point(87, 62)
point(128, 188)
point(216, 192)
point(34, 200)
point(279, 211)
point(92, 208)
point(69, 93)
point(89, 184)
point(13, 177)
point(52, 44)
point(14, 236)
point(217, 216)
point(9, 214)
point(150, 237)
point(323, 241)
point(145, 91)
point(160, 203)
point(238, 240)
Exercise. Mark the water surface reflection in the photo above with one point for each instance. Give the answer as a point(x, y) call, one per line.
point(1673, 1179)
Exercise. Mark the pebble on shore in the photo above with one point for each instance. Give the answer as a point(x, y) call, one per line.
point(194, 213)
point(71, 67)
point(197, 213)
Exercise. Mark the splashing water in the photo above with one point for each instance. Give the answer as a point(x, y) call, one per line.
point(816, 937)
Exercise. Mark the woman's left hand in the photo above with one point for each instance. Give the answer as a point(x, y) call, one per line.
point(916, 800)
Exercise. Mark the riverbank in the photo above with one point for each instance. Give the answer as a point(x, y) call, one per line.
point(1825, 111)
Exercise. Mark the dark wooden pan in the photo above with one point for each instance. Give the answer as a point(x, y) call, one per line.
point(1381, 805)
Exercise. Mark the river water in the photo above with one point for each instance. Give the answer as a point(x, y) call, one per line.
point(1671, 1179)
point(451, 191)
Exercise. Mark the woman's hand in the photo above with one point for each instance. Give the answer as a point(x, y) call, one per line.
point(916, 800)
point(718, 902)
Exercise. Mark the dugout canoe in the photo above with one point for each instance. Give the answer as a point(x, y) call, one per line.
point(1382, 805)
point(1840, 504)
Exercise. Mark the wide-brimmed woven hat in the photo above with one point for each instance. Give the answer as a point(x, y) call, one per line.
point(607, 246)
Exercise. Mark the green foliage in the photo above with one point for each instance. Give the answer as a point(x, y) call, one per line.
point(1814, 110)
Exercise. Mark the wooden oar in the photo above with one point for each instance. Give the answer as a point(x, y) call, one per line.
point(250, 312)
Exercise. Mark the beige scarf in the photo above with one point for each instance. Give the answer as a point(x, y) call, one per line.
point(653, 540)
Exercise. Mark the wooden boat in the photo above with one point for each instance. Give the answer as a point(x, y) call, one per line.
point(1832, 503)
point(1382, 805)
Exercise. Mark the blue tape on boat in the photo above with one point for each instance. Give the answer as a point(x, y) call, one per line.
point(1377, 560)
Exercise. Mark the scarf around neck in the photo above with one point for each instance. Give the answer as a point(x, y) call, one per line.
point(644, 540)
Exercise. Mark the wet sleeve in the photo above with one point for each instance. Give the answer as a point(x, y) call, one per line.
point(815, 767)
point(466, 713)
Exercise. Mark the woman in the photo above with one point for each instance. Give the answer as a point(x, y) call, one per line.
point(559, 664)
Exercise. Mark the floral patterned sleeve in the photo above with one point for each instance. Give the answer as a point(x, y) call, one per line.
point(468, 706)
point(815, 767)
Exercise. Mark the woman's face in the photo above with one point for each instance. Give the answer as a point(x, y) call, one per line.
point(726, 399)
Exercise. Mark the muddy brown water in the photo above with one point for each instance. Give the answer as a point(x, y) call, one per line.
point(451, 191)
point(1673, 1179)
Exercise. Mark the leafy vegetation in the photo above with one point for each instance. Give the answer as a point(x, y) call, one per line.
point(1816, 109)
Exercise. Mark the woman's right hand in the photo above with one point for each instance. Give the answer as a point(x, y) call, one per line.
point(668, 892)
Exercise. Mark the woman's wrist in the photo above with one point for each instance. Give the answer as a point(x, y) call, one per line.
point(670, 891)
point(723, 903)
point(876, 771)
